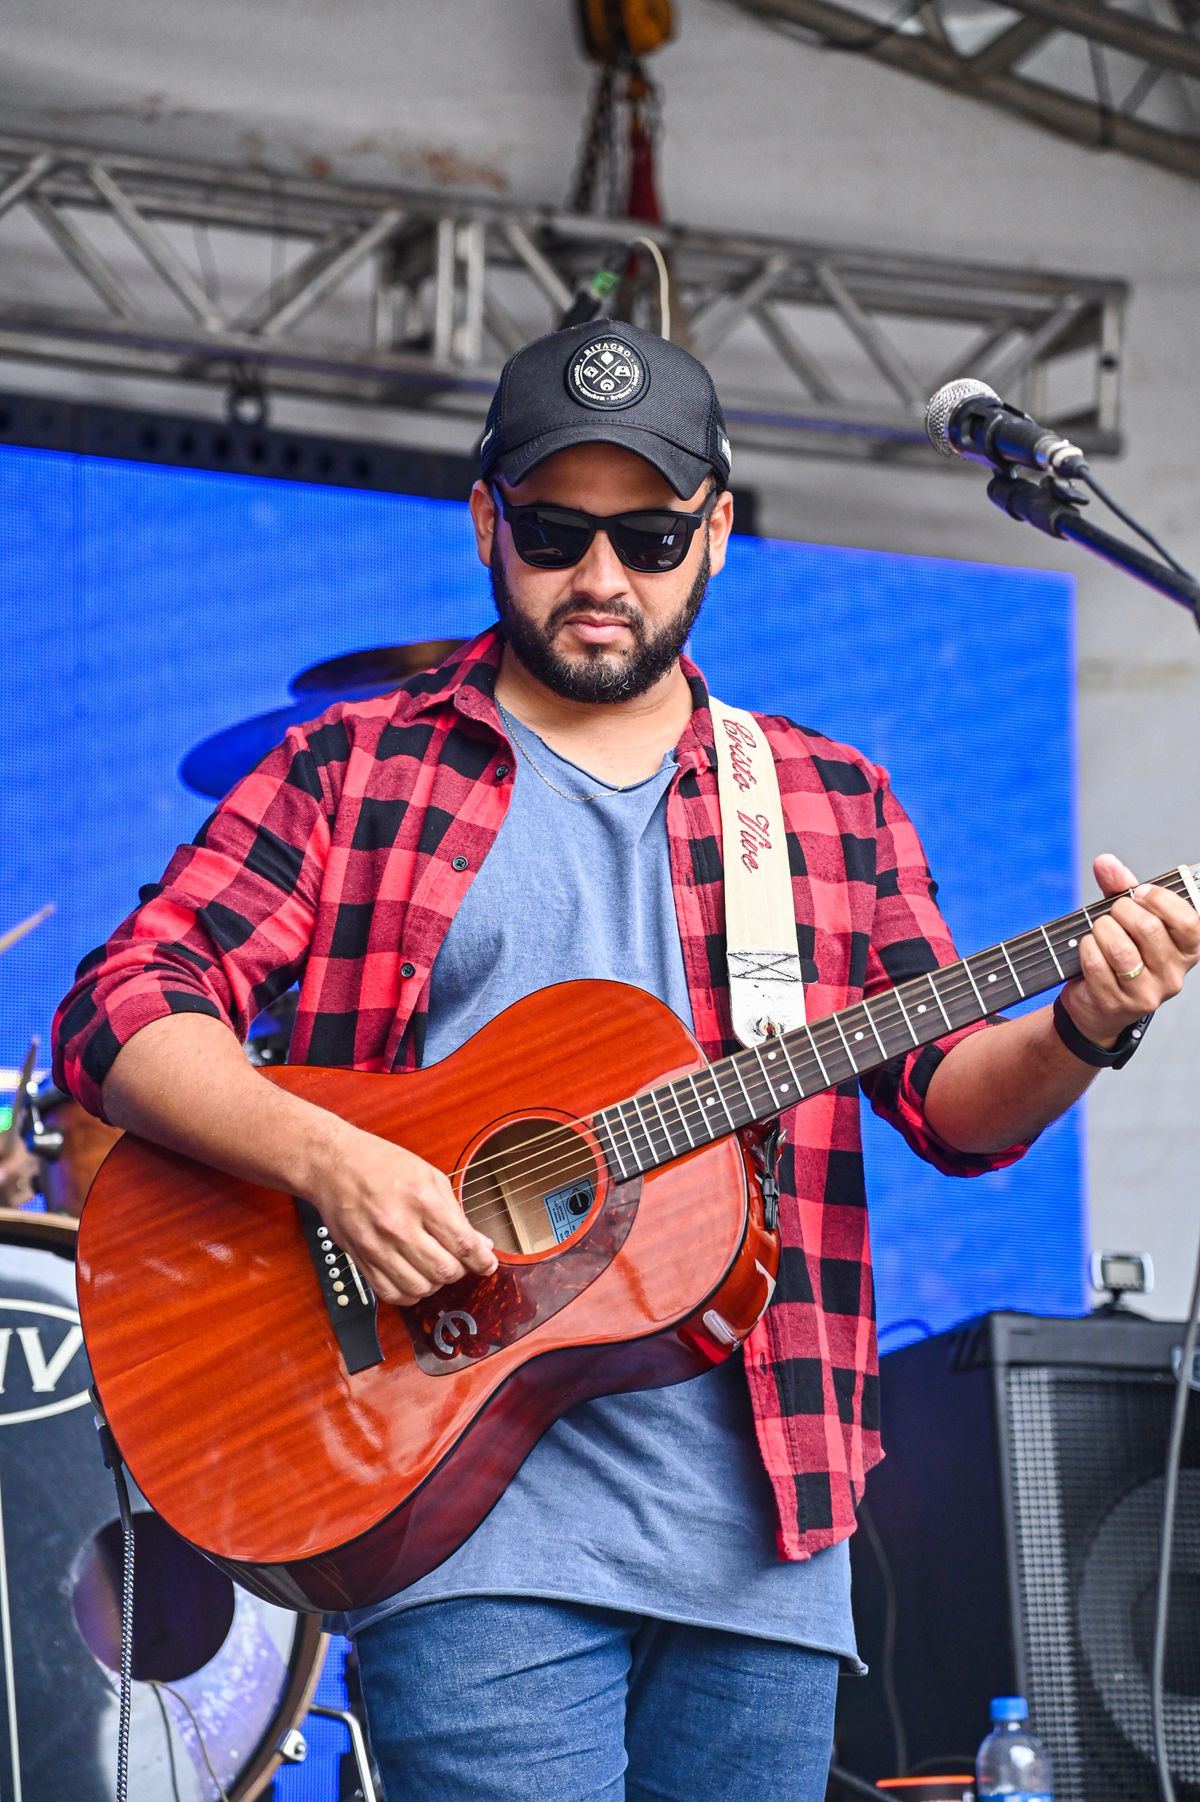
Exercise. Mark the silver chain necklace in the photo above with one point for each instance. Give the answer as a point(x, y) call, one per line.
point(600, 794)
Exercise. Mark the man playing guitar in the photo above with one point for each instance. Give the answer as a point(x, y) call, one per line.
point(658, 1603)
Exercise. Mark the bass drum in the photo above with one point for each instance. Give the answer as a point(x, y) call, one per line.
point(219, 1677)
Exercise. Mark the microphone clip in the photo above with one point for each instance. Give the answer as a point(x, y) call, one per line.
point(1045, 504)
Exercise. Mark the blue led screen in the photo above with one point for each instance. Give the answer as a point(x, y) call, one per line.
point(145, 607)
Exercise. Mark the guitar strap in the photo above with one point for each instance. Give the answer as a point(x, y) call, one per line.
point(766, 987)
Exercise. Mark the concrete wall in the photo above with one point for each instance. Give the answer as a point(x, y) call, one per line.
point(764, 133)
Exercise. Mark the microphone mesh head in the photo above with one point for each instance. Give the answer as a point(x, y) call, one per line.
point(943, 404)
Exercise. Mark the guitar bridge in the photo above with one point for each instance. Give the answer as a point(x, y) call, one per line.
point(349, 1299)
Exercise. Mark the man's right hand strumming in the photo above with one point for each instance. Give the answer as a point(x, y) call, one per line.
point(398, 1218)
point(184, 1083)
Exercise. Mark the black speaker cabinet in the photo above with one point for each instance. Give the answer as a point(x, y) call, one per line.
point(1018, 1510)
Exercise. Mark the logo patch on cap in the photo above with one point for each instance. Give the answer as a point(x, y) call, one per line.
point(608, 373)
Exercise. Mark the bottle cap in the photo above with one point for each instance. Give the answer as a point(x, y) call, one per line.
point(1009, 1708)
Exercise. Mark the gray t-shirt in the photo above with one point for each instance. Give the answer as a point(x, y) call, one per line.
point(655, 1502)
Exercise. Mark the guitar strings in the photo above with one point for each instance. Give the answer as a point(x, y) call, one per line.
point(567, 1168)
point(531, 1169)
point(535, 1168)
point(692, 1112)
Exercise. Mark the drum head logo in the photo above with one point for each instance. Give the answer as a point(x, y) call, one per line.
point(43, 1370)
point(607, 374)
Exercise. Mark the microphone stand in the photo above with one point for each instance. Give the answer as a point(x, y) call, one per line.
point(1053, 506)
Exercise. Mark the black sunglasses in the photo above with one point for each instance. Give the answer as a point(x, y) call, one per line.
point(648, 541)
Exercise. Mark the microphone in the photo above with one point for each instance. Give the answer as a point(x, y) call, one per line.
point(968, 419)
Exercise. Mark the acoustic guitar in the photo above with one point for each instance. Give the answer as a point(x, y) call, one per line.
point(325, 1449)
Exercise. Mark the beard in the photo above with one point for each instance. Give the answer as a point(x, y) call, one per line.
point(599, 673)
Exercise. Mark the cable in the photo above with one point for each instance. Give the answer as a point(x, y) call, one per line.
point(664, 285)
point(112, 1459)
point(890, 1622)
point(126, 1707)
point(848, 1784)
point(110, 1452)
point(588, 300)
point(895, 1326)
point(222, 1792)
point(166, 1720)
point(1084, 474)
point(1170, 1495)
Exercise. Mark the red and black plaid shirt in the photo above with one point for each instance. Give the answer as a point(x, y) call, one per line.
point(341, 860)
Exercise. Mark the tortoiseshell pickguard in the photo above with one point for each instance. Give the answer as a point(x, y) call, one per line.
point(473, 1318)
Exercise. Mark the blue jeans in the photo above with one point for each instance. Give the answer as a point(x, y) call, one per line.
point(508, 1699)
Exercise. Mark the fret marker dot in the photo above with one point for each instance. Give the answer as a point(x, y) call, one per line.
point(712, 1101)
point(1072, 943)
point(785, 1085)
point(920, 1007)
point(858, 1035)
point(992, 976)
point(771, 1056)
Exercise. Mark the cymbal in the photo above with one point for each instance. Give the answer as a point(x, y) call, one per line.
point(360, 673)
point(213, 766)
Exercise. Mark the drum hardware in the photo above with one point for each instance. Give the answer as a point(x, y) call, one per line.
point(293, 1747)
point(69, 1143)
point(24, 1079)
point(46, 1142)
point(19, 1174)
point(271, 1031)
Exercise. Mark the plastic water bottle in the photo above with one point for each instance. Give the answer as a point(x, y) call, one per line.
point(1011, 1762)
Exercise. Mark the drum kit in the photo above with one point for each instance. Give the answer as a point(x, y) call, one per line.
point(222, 1680)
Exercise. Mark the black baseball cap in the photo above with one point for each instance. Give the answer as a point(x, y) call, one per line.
point(606, 382)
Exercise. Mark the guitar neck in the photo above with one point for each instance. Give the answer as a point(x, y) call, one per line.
point(663, 1123)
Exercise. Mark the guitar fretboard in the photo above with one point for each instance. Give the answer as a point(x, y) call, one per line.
point(666, 1122)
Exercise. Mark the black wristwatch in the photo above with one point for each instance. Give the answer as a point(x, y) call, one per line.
point(1100, 1057)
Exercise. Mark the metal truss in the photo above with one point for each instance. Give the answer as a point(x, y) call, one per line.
point(409, 301)
point(1115, 74)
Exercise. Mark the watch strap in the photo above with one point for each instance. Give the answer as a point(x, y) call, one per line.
point(1100, 1057)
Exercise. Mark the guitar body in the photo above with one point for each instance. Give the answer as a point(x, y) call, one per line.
point(213, 1345)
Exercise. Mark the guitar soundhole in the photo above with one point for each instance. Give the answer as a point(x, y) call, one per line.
point(531, 1184)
